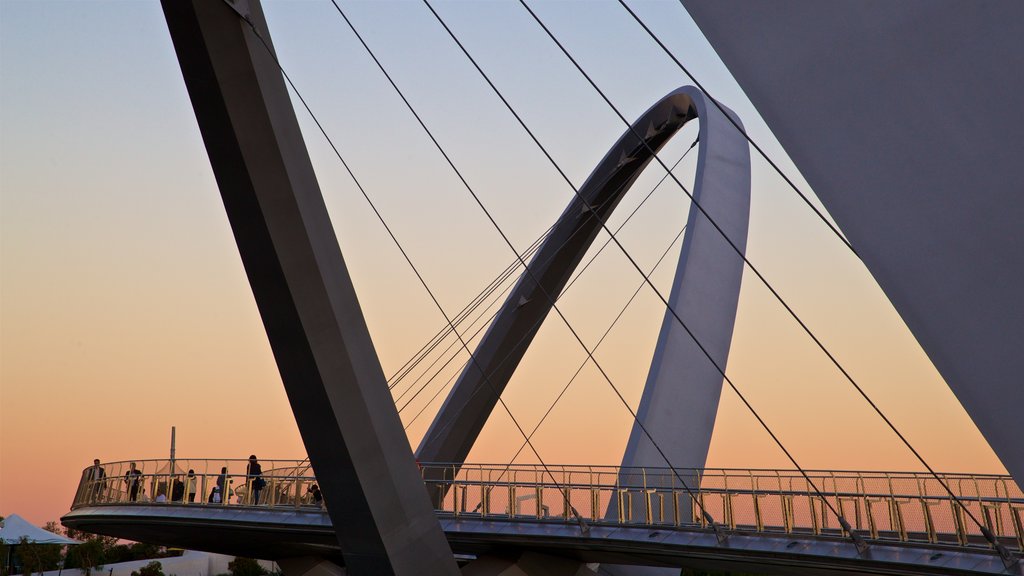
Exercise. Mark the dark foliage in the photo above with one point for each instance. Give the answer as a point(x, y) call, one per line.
point(246, 567)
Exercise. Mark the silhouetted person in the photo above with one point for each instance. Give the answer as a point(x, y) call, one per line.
point(177, 490)
point(318, 498)
point(254, 477)
point(218, 490)
point(190, 485)
point(96, 476)
point(133, 479)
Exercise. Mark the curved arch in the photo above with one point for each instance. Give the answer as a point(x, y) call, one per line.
point(681, 395)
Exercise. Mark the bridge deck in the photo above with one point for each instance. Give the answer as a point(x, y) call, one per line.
point(594, 514)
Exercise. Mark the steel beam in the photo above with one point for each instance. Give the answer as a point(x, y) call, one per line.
point(726, 172)
point(381, 515)
point(680, 398)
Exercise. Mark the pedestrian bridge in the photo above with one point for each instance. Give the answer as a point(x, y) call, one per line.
point(770, 521)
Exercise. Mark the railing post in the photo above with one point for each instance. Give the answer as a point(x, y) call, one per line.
point(1018, 526)
point(539, 494)
point(787, 512)
point(566, 502)
point(958, 521)
point(455, 498)
point(872, 528)
point(676, 520)
point(929, 524)
point(512, 505)
point(622, 495)
point(648, 509)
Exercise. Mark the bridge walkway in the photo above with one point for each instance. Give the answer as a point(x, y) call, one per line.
point(593, 513)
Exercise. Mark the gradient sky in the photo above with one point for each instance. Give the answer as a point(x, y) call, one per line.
point(125, 309)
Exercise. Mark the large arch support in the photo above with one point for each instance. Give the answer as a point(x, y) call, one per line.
point(681, 396)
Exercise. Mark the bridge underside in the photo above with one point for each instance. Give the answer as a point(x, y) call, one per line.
point(289, 533)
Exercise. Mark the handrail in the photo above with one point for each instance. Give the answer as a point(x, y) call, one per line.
point(892, 506)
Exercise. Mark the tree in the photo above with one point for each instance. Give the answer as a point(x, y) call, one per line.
point(37, 558)
point(154, 568)
point(245, 567)
point(93, 551)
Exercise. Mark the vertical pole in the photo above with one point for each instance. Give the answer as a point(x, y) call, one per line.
point(380, 512)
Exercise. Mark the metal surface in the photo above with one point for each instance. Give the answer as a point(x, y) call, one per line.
point(888, 507)
point(905, 118)
point(784, 541)
point(681, 399)
point(305, 296)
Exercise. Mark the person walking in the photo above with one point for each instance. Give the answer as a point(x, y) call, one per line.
point(254, 477)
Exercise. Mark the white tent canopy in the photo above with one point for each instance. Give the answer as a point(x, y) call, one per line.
point(14, 528)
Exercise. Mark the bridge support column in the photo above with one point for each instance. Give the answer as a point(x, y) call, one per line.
point(357, 447)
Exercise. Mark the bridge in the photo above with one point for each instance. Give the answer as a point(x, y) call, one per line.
point(773, 520)
point(377, 510)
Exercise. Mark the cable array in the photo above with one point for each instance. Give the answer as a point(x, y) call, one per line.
point(572, 281)
point(984, 530)
point(453, 322)
point(529, 272)
point(536, 324)
point(401, 249)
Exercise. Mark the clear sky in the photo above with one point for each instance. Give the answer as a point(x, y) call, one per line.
point(125, 309)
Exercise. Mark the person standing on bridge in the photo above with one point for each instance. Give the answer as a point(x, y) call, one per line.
point(254, 476)
point(190, 485)
point(133, 479)
point(96, 476)
point(217, 494)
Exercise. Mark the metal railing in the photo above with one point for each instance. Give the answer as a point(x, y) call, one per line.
point(204, 482)
point(882, 506)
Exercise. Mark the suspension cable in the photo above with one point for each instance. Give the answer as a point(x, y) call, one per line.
point(572, 281)
point(856, 537)
point(444, 332)
point(504, 236)
point(760, 151)
point(401, 249)
point(600, 341)
point(454, 343)
point(861, 545)
point(718, 531)
point(984, 530)
point(539, 321)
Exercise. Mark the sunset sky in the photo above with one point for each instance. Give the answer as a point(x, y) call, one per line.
point(124, 308)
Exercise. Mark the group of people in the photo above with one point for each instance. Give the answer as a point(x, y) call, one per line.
point(96, 478)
